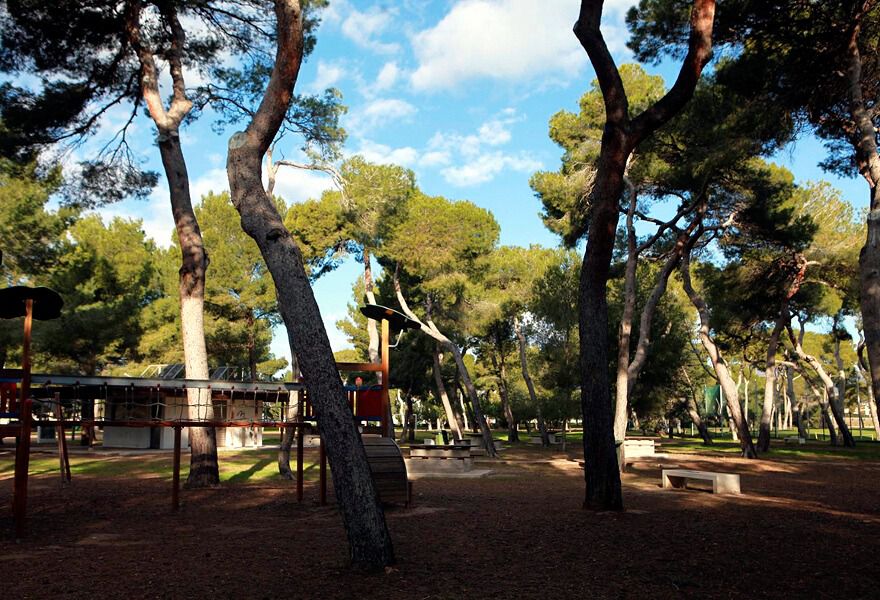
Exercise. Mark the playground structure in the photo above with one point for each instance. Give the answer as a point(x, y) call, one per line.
point(152, 407)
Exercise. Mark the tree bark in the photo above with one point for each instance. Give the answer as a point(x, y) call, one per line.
point(430, 329)
point(694, 411)
point(868, 161)
point(524, 367)
point(501, 374)
point(770, 384)
point(865, 371)
point(620, 137)
point(444, 397)
point(204, 470)
point(831, 390)
point(728, 386)
point(369, 542)
point(293, 413)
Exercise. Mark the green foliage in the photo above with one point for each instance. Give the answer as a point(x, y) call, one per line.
point(564, 193)
point(353, 222)
point(106, 276)
point(240, 304)
point(788, 55)
point(86, 62)
point(30, 236)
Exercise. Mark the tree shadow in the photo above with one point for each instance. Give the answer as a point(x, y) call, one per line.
point(255, 468)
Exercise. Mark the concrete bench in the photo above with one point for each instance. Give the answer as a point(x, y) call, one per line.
point(722, 483)
point(793, 439)
point(638, 448)
point(440, 458)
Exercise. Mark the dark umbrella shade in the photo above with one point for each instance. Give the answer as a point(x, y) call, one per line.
point(13, 302)
point(397, 321)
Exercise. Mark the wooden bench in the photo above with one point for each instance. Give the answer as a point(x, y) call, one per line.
point(722, 483)
point(388, 469)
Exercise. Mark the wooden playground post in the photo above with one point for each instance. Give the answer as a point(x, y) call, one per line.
point(22, 461)
point(388, 428)
point(23, 449)
point(63, 458)
point(323, 468)
point(299, 458)
point(175, 477)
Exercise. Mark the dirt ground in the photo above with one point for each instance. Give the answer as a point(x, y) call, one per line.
point(802, 528)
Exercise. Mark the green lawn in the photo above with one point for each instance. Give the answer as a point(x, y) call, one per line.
point(236, 466)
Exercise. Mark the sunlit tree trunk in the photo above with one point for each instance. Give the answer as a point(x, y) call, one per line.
point(204, 469)
point(770, 385)
point(524, 367)
point(444, 397)
point(864, 139)
point(728, 386)
point(830, 390)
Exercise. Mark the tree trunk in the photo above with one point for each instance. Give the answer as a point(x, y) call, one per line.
point(430, 329)
point(831, 390)
point(368, 538)
point(194, 260)
point(620, 137)
point(624, 330)
point(293, 412)
point(372, 327)
point(524, 366)
point(770, 385)
point(865, 145)
point(728, 386)
point(444, 397)
point(796, 406)
point(694, 411)
point(872, 411)
point(501, 374)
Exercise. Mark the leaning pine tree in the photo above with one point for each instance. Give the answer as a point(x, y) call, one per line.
point(369, 541)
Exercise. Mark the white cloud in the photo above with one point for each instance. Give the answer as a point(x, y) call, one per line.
point(463, 160)
point(298, 185)
point(435, 158)
point(511, 40)
point(378, 112)
point(486, 166)
point(327, 76)
point(154, 213)
point(406, 156)
point(364, 29)
point(387, 77)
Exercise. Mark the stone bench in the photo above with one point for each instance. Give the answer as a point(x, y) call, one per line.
point(793, 439)
point(639, 448)
point(722, 483)
point(440, 458)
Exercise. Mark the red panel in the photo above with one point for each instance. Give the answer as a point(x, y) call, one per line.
point(368, 403)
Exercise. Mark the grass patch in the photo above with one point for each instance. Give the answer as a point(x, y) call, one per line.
point(236, 466)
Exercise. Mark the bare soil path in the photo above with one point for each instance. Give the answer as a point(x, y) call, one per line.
point(802, 528)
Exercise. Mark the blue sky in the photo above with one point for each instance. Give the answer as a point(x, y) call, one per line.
point(459, 91)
